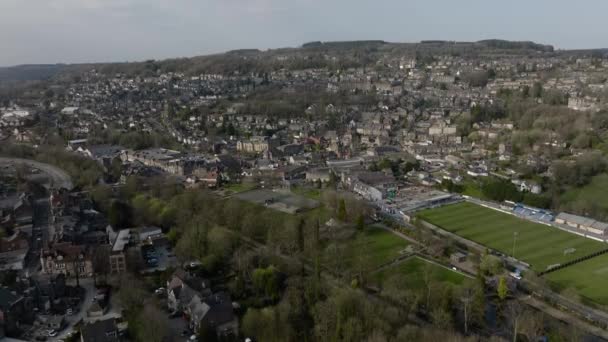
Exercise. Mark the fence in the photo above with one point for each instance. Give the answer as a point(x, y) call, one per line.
point(575, 261)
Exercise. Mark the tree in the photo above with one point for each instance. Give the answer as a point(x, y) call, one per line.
point(532, 324)
point(537, 90)
point(256, 323)
point(115, 169)
point(333, 180)
point(151, 325)
point(394, 287)
point(360, 222)
point(441, 318)
point(466, 298)
point(514, 311)
point(102, 196)
point(266, 282)
point(119, 214)
point(300, 235)
point(131, 293)
point(490, 264)
point(428, 277)
point(502, 288)
point(317, 270)
point(342, 210)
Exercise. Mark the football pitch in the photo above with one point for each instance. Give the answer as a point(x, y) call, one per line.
point(589, 279)
point(536, 244)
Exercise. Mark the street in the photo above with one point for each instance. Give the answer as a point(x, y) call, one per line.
point(57, 178)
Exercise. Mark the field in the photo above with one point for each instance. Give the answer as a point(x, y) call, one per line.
point(589, 278)
point(231, 189)
point(309, 192)
point(414, 269)
point(536, 244)
point(286, 202)
point(373, 247)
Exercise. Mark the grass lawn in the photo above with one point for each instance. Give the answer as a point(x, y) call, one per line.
point(239, 187)
point(471, 188)
point(593, 193)
point(589, 278)
point(414, 269)
point(309, 192)
point(537, 244)
point(374, 246)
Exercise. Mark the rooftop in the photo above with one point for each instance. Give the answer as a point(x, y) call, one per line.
point(121, 240)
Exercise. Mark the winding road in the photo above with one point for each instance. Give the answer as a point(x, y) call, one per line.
point(57, 178)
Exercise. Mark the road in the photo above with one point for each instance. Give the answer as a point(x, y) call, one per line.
point(81, 314)
point(57, 177)
point(40, 234)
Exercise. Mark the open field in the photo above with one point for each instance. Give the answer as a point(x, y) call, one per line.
point(279, 200)
point(370, 249)
point(239, 187)
point(536, 244)
point(589, 278)
point(309, 192)
point(413, 269)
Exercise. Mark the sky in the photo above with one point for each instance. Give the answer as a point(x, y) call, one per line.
point(77, 31)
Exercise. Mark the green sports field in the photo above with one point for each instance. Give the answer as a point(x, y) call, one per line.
point(589, 278)
point(368, 249)
point(536, 244)
point(413, 269)
point(379, 246)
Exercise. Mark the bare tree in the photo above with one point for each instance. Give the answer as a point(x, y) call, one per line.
point(515, 311)
point(532, 324)
point(466, 298)
point(427, 276)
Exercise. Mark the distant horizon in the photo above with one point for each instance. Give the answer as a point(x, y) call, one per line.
point(143, 59)
point(102, 31)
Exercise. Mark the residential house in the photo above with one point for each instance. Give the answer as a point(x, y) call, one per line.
point(214, 312)
point(118, 255)
point(182, 287)
point(11, 310)
point(373, 186)
point(66, 258)
point(253, 145)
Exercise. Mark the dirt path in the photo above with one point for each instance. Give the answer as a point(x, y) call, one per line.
point(564, 316)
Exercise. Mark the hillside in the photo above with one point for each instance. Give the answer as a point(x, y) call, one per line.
point(32, 72)
point(333, 55)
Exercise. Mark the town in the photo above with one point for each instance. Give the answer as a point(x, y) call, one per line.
point(342, 191)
